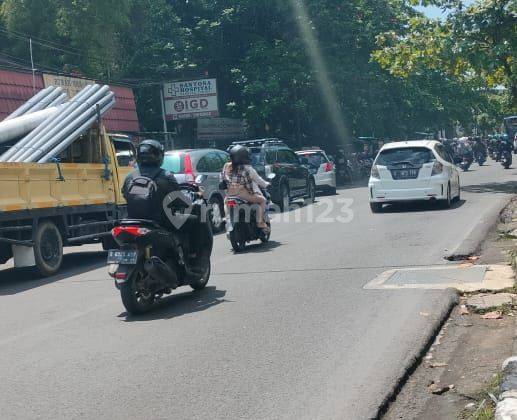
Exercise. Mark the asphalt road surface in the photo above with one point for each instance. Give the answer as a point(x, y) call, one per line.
point(284, 331)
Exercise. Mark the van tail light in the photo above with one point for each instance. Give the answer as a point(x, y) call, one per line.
point(130, 230)
point(437, 168)
point(329, 167)
point(375, 172)
point(189, 170)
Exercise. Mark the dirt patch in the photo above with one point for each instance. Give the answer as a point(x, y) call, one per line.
point(468, 354)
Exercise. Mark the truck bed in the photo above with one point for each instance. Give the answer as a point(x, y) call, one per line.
point(29, 186)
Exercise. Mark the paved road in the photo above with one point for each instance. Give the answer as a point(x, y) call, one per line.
point(283, 331)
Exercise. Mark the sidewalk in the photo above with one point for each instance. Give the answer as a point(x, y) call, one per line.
point(461, 376)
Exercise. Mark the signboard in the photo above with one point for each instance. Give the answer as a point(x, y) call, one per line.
point(221, 129)
point(71, 85)
point(191, 99)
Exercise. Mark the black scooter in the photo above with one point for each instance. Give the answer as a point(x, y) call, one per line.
point(465, 163)
point(506, 159)
point(152, 261)
point(480, 158)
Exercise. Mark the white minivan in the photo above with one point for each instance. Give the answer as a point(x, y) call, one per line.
point(413, 170)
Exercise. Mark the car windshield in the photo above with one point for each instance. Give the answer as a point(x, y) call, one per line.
point(174, 163)
point(411, 155)
point(256, 156)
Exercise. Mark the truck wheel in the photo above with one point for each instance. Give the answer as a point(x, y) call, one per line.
point(48, 249)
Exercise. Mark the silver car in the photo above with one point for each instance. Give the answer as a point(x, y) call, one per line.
point(188, 164)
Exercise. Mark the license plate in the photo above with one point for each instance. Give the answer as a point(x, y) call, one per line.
point(405, 174)
point(122, 257)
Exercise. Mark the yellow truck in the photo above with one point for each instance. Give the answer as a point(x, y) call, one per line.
point(72, 201)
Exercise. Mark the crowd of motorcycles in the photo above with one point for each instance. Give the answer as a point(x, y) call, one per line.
point(463, 151)
point(467, 150)
point(353, 166)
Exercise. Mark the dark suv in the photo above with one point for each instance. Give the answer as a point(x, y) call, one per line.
point(292, 178)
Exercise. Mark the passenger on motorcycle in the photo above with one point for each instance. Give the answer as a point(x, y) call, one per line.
point(244, 182)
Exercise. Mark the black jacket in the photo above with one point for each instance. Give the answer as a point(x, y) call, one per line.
point(166, 183)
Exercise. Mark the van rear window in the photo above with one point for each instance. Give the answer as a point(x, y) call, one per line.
point(411, 155)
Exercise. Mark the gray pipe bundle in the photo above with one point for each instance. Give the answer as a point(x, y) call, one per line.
point(59, 130)
point(45, 98)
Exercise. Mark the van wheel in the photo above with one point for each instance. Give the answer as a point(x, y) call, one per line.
point(311, 192)
point(376, 207)
point(447, 203)
point(285, 199)
point(48, 249)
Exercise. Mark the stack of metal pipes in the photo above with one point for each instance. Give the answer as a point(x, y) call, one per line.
point(48, 135)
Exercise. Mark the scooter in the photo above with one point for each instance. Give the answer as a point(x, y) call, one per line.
point(241, 222)
point(153, 261)
point(506, 159)
point(465, 163)
point(480, 158)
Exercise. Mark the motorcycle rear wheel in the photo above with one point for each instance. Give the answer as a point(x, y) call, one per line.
point(238, 243)
point(200, 284)
point(136, 301)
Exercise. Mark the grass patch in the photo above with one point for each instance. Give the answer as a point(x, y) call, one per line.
point(485, 406)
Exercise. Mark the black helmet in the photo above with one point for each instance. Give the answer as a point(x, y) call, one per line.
point(240, 155)
point(150, 153)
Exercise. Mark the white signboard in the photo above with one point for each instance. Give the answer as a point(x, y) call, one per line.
point(191, 99)
point(221, 129)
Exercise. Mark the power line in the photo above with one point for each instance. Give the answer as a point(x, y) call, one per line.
point(27, 38)
point(12, 31)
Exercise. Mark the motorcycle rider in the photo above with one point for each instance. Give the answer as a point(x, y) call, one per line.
point(244, 182)
point(505, 145)
point(478, 147)
point(150, 155)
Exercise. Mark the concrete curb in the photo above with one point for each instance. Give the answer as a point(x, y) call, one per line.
point(414, 359)
point(478, 233)
point(506, 408)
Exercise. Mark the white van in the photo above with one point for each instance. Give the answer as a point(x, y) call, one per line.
point(413, 170)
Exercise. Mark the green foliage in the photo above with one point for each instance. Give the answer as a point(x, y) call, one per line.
point(392, 72)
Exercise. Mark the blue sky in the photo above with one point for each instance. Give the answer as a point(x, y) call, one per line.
point(435, 12)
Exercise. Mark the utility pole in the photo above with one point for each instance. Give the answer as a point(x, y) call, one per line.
point(169, 142)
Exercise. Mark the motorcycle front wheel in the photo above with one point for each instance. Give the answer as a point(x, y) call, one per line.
point(135, 298)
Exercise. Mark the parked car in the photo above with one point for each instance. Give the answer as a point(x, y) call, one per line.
point(187, 164)
point(413, 170)
point(292, 179)
point(321, 168)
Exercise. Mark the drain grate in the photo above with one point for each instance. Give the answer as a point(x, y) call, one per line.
point(440, 277)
